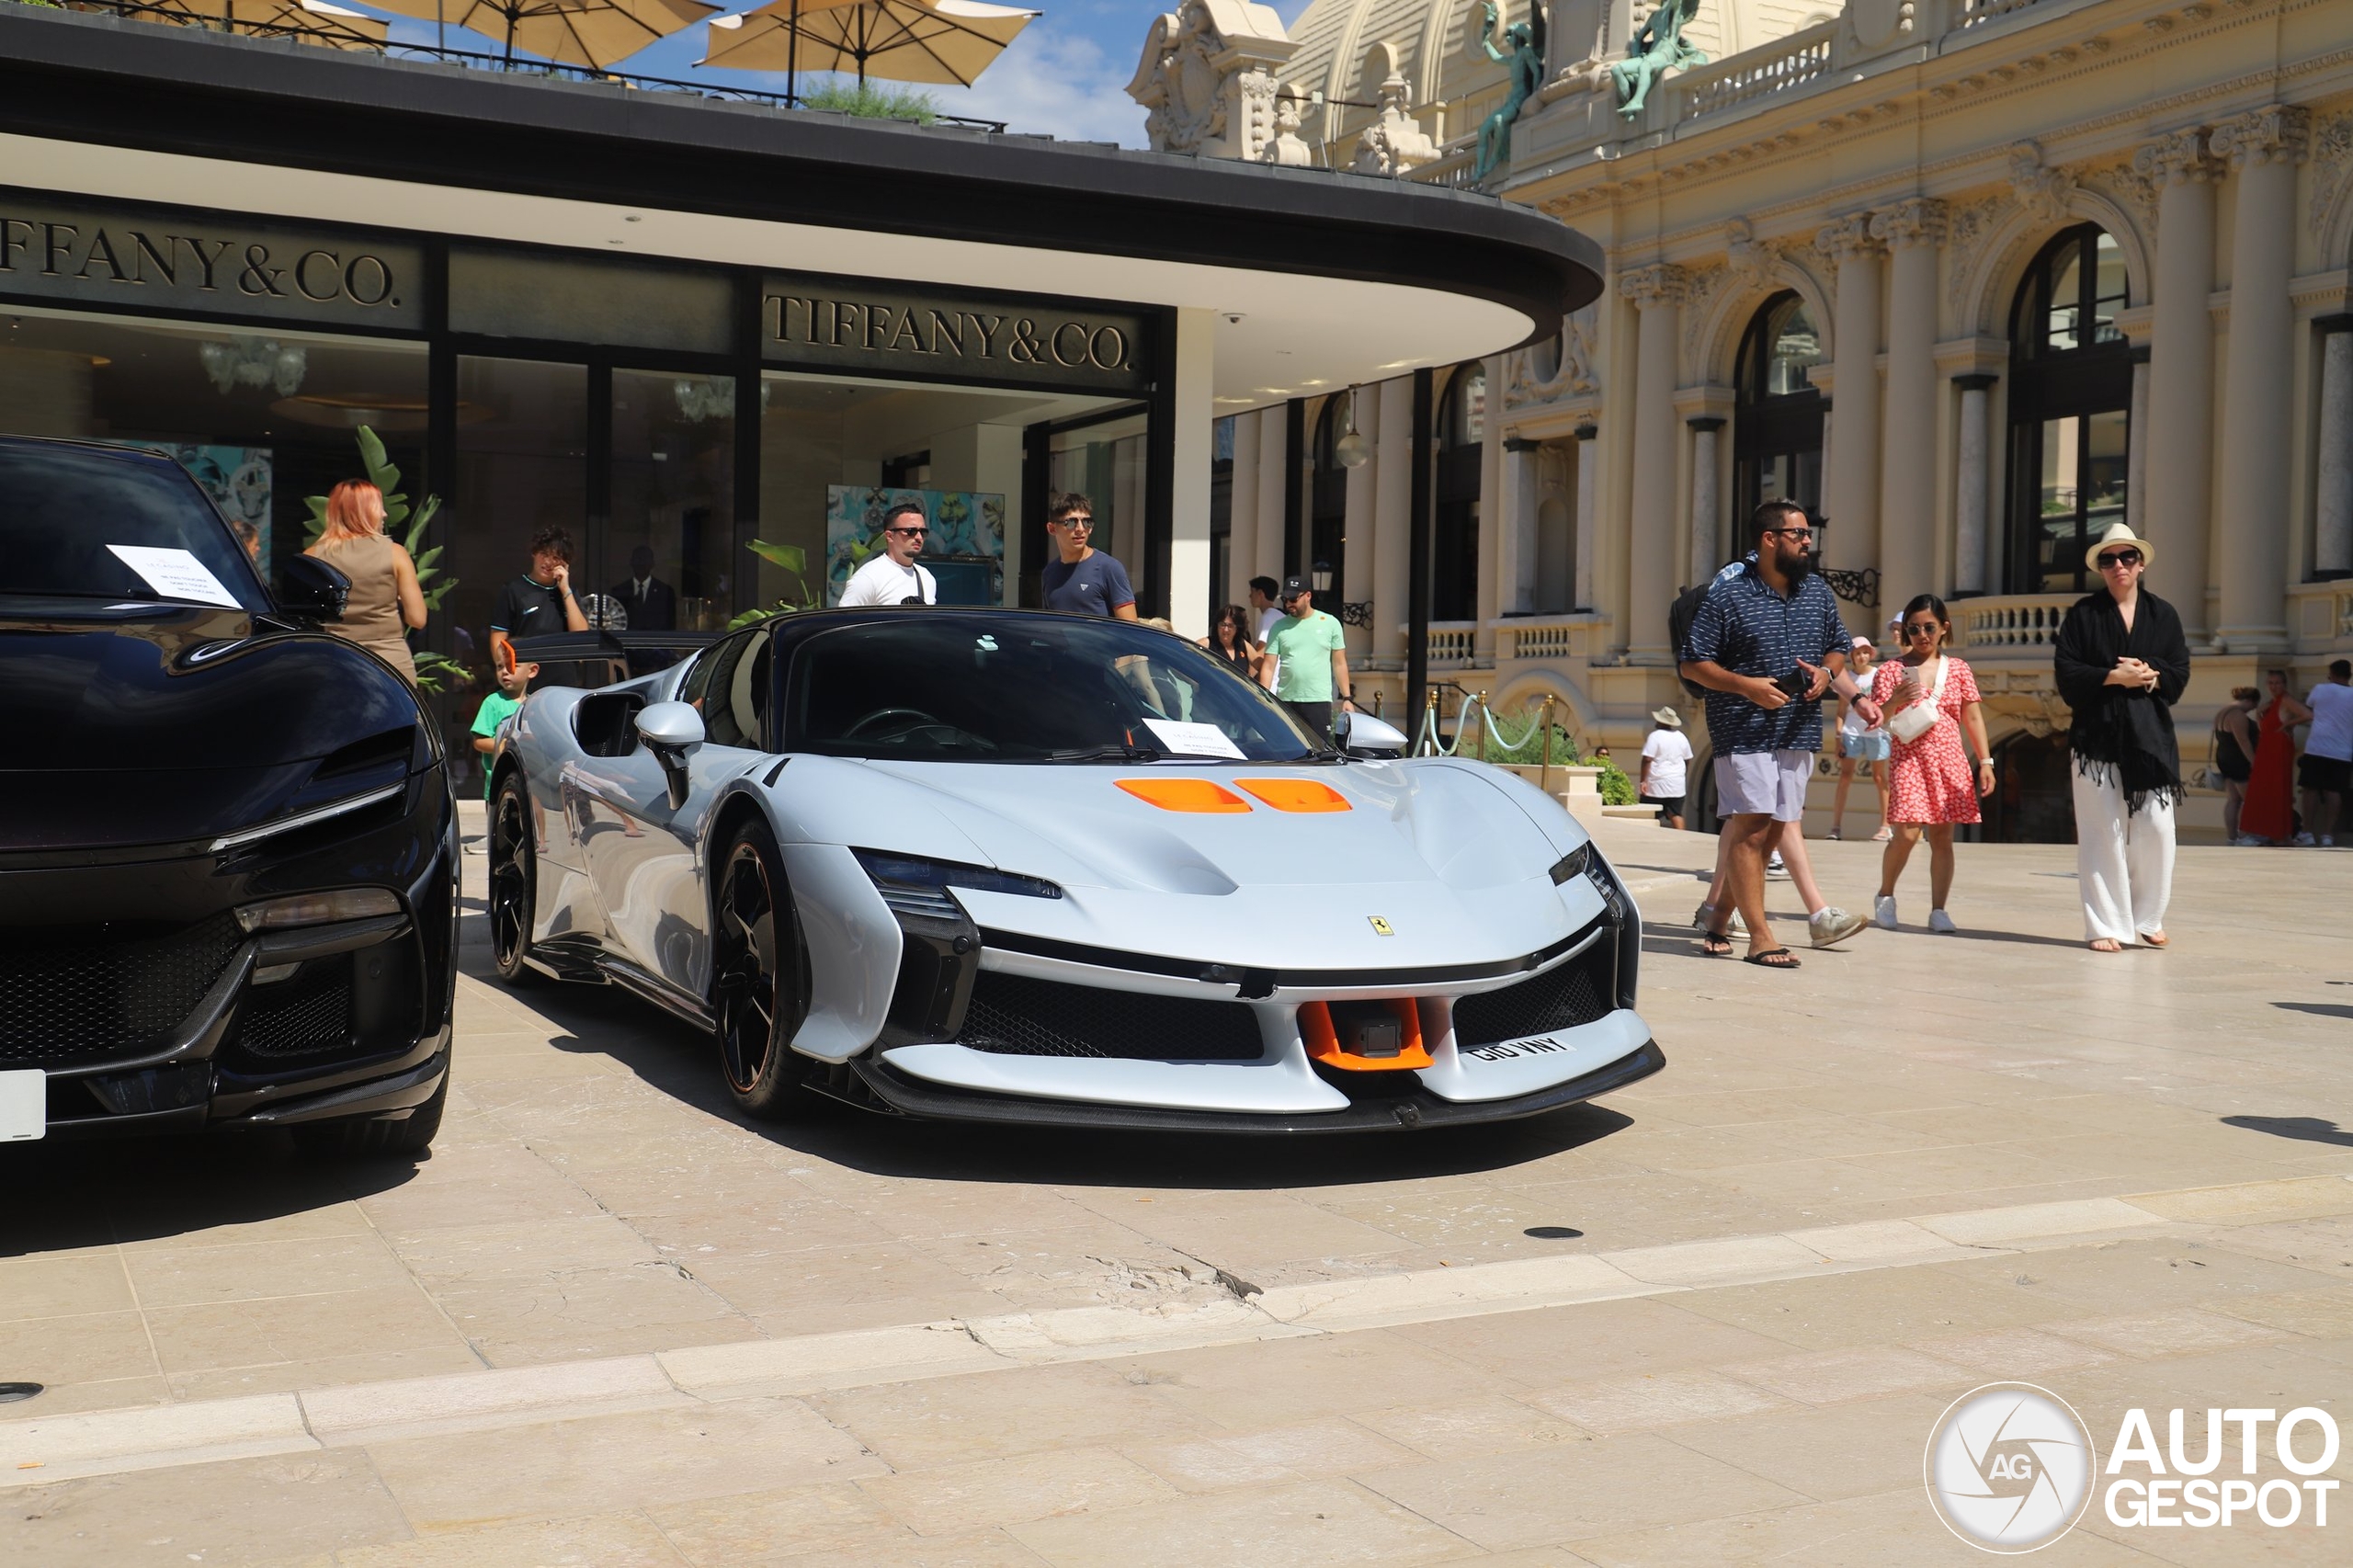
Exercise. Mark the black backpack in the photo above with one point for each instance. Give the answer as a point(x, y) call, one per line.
point(1679, 617)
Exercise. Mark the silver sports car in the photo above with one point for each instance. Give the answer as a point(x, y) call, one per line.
point(1003, 865)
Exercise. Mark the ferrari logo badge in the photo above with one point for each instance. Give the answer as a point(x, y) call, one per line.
point(1380, 928)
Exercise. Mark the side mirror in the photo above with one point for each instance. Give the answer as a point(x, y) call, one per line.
point(668, 730)
point(1361, 735)
point(309, 590)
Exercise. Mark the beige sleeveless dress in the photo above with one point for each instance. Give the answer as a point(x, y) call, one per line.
point(372, 618)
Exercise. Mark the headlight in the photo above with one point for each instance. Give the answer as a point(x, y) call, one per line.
point(1573, 864)
point(318, 908)
point(912, 885)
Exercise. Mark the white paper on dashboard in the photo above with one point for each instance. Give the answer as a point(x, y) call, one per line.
point(175, 573)
point(1194, 740)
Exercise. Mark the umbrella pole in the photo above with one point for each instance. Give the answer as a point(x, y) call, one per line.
point(793, 60)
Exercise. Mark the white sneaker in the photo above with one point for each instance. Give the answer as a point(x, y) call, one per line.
point(1773, 866)
point(1831, 925)
point(1833, 835)
point(2249, 841)
point(1883, 912)
point(1942, 924)
point(2305, 841)
point(2328, 841)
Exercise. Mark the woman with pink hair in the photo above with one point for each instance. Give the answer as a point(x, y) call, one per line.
point(385, 600)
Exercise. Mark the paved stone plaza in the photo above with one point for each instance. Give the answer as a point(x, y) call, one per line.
point(1710, 1319)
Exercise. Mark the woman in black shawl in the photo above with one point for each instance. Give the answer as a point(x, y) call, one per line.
point(2123, 662)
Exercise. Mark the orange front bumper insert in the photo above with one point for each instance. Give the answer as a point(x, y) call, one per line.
point(1324, 1040)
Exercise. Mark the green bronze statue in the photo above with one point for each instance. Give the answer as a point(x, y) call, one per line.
point(1526, 63)
point(1656, 49)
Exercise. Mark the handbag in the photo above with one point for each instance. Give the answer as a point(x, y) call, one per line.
point(1910, 723)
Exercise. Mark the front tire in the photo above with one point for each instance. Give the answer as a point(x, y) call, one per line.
point(757, 989)
point(514, 879)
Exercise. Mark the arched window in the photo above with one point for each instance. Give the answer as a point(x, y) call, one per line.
point(2071, 399)
point(1777, 425)
point(1327, 512)
point(1454, 547)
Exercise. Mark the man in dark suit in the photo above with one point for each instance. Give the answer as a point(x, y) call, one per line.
point(651, 604)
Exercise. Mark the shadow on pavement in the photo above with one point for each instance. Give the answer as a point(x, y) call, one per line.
point(2317, 1009)
point(672, 1057)
point(2309, 1129)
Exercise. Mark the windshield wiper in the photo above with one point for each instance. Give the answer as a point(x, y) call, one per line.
point(1107, 754)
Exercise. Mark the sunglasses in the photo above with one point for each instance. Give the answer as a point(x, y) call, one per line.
point(2121, 558)
point(917, 533)
point(1793, 533)
point(1074, 523)
point(1925, 629)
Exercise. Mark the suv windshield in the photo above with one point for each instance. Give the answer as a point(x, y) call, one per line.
point(78, 523)
point(920, 687)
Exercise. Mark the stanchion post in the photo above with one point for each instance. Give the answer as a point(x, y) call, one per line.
point(1544, 720)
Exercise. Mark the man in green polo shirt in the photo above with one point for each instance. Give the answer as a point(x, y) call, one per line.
point(1309, 662)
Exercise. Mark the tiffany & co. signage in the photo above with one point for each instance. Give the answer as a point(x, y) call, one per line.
point(844, 323)
point(107, 256)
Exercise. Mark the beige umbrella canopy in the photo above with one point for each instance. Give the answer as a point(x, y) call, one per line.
point(947, 42)
point(309, 21)
point(593, 33)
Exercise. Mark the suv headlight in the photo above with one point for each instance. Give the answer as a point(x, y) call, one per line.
point(317, 908)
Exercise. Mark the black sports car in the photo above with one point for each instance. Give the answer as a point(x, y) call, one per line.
point(228, 849)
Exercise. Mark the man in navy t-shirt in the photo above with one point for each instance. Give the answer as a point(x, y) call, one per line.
point(1082, 580)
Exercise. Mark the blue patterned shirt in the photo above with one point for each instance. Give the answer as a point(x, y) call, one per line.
point(1749, 629)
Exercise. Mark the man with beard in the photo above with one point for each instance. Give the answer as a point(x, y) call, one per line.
point(1765, 642)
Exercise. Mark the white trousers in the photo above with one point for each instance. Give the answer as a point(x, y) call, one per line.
point(2123, 862)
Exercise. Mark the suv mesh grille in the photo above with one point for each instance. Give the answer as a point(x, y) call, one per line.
point(307, 1016)
point(1012, 1015)
point(85, 998)
point(1576, 992)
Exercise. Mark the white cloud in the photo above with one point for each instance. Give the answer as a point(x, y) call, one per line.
point(1056, 83)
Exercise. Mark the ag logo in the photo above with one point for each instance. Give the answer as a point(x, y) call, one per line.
point(2009, 1467)
point(1380, 928)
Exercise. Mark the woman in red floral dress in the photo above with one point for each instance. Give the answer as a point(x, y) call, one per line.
point(1931, 786)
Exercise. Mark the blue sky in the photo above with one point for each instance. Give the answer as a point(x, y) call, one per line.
point(1066, 74)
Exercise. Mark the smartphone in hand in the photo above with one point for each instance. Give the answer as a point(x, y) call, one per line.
point(1795, 685)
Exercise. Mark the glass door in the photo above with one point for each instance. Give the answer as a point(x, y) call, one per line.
point(665, 559)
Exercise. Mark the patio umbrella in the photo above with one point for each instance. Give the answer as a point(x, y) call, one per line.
point(309, 21)
point(593, 33)
point(947, 41)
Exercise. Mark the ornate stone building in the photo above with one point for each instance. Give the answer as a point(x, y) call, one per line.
point(1971, 278)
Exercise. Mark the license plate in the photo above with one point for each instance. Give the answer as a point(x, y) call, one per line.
point(24, 1105)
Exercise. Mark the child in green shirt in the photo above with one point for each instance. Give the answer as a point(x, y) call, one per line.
point(512, 682)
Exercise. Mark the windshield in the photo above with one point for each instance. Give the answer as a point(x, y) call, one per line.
point(81, 523)
point(921, 688)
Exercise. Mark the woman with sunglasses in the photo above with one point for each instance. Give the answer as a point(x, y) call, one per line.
point(1932, 788)
point(2121, 663)
point(1229, 642)
point(2268, 815)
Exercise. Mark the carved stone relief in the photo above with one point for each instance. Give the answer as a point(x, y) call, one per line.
point(1205, 79)
point(2332, 163)
point(1559, 369)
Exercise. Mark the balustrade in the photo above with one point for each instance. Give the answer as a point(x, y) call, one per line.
point(2013, 624)
point(1755, 73)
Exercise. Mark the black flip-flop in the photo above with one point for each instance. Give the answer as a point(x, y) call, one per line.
point(1765, 958)
point(1716, 944)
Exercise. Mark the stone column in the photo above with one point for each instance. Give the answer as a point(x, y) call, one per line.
point(1488, 602)
point(1581, 590)
point(2332, 543)
point(1971, 566)
point(2136, 453)
point(1274, 469)
point(1850, 496)
point(1393, 518)
point(1912, 230)
point(1242, 514)
point(2263, 147)
point(1516, 558)
point(1357, 565)
point(1658, 293)
point(2178, 436)
point(1704, 505)
point(1187, 590)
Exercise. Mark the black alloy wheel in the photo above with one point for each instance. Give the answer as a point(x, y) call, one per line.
point(757, 988)
point(514, 879)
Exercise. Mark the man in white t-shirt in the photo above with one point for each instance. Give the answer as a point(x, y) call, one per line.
point(893, 577)
point(1666, 757)
point(2327, 772)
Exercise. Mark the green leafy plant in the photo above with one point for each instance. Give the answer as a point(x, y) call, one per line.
point(792, 559)
point(432, 670)
point(866, 101)
point(1616, 788)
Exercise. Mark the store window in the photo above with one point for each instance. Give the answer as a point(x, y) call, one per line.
point(1327, 520)
point(672, 511)
point(522, 466)
point(262, 418)
point(2071, 396)
point(836, 450)
point(1777, 423)
point(1454, 544)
